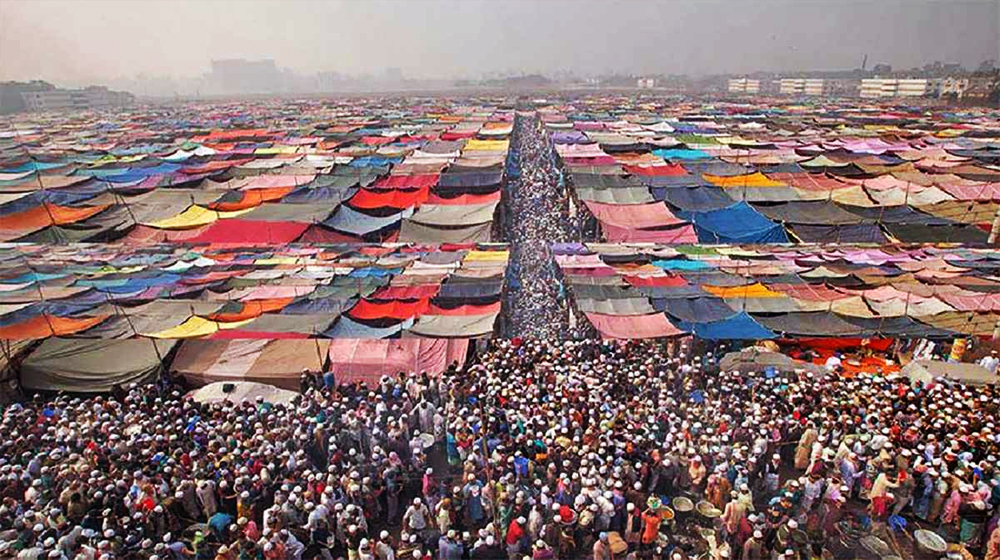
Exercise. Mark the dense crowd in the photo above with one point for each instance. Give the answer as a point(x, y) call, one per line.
point(541, 450)
point(537, 215)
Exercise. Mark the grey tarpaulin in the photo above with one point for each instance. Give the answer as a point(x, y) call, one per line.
point(93, 366)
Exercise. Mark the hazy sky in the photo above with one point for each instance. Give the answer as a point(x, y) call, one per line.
point(73, 41)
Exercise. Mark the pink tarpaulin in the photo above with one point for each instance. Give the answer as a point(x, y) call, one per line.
point(633, 326)
point(633, 216)
point(580, 150)
point(680, 234)
point(367, 360)
point(250, 231)
point(985, 191)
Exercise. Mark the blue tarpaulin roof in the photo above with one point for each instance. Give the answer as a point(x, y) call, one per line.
point(740, 326)
point(739, 223)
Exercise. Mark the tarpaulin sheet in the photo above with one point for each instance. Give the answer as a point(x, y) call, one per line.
point(452, 181)
point(194, 216)
point(469, 289)
point(700, 309)
point(624, 195)
point(412, 232)
point(351, 221)
point(630, 306)
point(345, 327)
point(738, 327)
point(816, 324)
point(826, 213)
point(389, 198)
point(858, 233)
point(462, 199)
point(739, 223)
point(756, 179)
point(666, 170)
point(694, 199)
point(604, 181)
point(454, 326)
point(390, 309)
point(353, 360)
point(93, 366)
point(919, 233)
point(634, 216)
point(275, 362)
point(672, 234)
point(44, 326)
point(655, 325)
point(250, 231)
point(454, 215)
point(19, 224)
point(407, 182)
point(240, 200)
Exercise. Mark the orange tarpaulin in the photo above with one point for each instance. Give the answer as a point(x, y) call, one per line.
point(44, 215)
point(251, 198)
point(395, 309)
point(757, 290)
point(252, 309)
point(757, 179)
point(44, 326)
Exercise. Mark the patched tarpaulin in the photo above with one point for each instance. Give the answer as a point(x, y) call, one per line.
point(367, 361)
point(654, 325)
point(93, 366)
point(275, 362)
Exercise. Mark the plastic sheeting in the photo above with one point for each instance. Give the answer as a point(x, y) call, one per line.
point(93, 366)
point(738, 327)
point(275, 362)
point(739, 223)
point(367, 361)
point(655, 325)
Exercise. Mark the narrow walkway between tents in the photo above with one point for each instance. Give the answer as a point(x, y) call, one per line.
point(537, 214)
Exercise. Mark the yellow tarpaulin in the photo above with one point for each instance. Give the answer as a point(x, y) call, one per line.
point(194, 216)
point(486, 256)
point(196, 326)
point(757, 179)
point(486, 145)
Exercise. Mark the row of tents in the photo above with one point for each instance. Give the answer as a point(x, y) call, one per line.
point(731, 173)
point(798, 292)
point(226, 292)
point(333, 172)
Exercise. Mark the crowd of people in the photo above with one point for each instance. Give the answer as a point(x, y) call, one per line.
point(539, 450)
point(537, 214)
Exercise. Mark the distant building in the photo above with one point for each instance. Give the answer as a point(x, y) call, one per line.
point(89, 98)
point(744, 85)
point(645, 83)
point(12, 94)
point(801, 86)
point(238, 75)
point(873, 88)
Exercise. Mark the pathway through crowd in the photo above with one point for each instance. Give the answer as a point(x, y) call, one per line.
point(537, 214)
